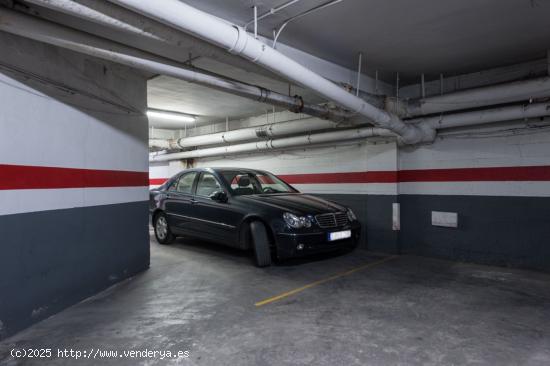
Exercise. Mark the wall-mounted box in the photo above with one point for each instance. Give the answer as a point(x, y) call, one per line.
point(396, 217)
point(445, 219)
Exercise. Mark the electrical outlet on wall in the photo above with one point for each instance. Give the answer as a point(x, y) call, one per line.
point(445, 219)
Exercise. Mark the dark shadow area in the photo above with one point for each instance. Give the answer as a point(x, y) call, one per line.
point(207, 247)
point(246, 256)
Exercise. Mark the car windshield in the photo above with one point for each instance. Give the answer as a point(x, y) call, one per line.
point(248, 183)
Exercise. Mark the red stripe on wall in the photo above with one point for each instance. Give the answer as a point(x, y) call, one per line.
point(157, 181)
point(355, 177)
point(493, 174)
point(38, 177)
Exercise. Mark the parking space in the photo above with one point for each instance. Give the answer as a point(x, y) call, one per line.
point(359, 307)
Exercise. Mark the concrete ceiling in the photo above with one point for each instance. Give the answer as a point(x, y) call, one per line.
point(409, 37)
point(176, 95)
point(211, 105)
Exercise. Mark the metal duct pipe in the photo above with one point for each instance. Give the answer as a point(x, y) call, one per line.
point(481, 97)
point(54, 34)
point(235, 39)
point(442, 122)
point(246, 134)
point(486, 116)
point(252, 133)
point(289, 142)
point(161, 37)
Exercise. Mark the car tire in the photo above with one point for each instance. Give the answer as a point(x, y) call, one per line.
point(260, 243)
point(163, 234)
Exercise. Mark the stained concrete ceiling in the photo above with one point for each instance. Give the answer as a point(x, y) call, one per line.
point(409, 37)
point(214, 106)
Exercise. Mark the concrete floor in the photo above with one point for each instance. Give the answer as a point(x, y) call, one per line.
point(405, 311)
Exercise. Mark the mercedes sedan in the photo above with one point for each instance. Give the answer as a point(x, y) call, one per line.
point(250, 209)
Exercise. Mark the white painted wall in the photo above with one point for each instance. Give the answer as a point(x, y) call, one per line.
point(505, 145)
point(164, 170)
point(98, 125)
point(73, 178)
point(358, 157)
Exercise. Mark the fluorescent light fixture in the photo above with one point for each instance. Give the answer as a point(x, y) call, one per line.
point(168, 115)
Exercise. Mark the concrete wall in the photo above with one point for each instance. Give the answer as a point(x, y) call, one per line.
point(73, 179)
point(496, 179)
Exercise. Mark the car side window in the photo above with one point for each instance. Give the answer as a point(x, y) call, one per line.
point(185, 183)
point(172, 186)
point(207, 185)
point(241, 184)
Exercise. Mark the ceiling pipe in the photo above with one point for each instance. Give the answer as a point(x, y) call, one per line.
point(508, 113)
point(443, 122)
point(524, 90)
point(57, 35)
point(162, 39)
point(251, 133)
point(273, 144)
point(237, 41)
point(246, 134)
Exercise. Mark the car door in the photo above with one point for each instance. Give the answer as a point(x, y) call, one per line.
point(179, 204)
point(218, 220)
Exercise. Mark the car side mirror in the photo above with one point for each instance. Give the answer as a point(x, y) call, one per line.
point(219, 196)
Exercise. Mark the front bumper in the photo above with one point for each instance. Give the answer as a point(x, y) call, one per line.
point(315, 241)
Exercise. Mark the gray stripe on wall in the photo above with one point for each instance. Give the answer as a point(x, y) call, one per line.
point(52, 259)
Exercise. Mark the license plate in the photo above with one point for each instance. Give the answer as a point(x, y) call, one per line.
point(339, 235)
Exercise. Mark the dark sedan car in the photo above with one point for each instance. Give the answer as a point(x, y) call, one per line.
point(250, 209)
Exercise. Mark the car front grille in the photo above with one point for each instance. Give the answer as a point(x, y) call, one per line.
point(331, 219)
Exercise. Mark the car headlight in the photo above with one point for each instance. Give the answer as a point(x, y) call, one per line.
point(351, 215)
point(296, 222)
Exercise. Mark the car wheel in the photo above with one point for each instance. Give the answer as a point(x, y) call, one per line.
point(162, 230)
point(260, 243)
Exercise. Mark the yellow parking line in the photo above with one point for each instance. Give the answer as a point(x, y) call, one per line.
point(310, 285)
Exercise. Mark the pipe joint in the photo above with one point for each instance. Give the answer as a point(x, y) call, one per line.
point(416, 134)
point(428, 132)
point(298, 104)
point(253, 51)
point(262, 132)
point(264, 94)
point(240, 42)
point(410, 134)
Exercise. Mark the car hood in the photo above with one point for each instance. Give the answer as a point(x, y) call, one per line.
point(296, 202)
